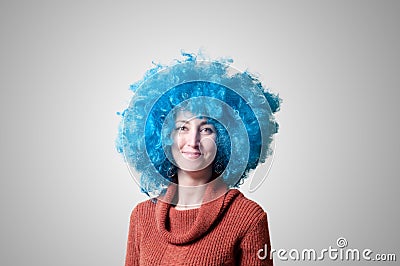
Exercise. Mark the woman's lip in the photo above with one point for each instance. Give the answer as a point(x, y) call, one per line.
point(191, 155)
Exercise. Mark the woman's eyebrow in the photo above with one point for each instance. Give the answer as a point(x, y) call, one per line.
point(205, 123)
point(188, 121)
point(181, 121)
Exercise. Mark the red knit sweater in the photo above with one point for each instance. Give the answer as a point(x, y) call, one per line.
point(227, 231)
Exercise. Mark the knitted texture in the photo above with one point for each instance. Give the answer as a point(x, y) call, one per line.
point(227, 231)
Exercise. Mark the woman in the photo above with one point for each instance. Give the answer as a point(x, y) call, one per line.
point(205, 127)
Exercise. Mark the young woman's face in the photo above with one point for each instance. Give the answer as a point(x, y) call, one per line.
point(194, 146)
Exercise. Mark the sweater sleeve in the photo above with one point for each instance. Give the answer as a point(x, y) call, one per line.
point(255, 246)
point(132, 251)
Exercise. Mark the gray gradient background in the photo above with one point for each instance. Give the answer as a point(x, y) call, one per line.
point(66, 195)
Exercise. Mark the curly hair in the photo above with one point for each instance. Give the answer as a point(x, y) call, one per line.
point(236, 103)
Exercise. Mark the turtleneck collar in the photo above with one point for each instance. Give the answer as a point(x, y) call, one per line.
point(207, 214)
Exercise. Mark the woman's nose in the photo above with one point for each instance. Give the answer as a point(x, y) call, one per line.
point(193, 139)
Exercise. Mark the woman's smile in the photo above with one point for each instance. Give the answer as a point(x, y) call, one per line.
point(191, 154)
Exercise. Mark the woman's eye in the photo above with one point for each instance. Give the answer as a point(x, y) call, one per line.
point(207, 130)
point(181, 128)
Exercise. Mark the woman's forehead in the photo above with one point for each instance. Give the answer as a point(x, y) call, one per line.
point(188, 117)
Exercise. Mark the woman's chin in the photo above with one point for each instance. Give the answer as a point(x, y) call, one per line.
point(194, 167)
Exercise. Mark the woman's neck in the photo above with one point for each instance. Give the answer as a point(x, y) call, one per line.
point(191, 188)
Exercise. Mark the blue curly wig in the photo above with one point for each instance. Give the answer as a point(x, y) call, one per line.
point(236, 103)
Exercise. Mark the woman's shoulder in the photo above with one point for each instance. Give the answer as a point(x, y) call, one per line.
point(244, 214)
point(144, 208)
point(246, 207)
